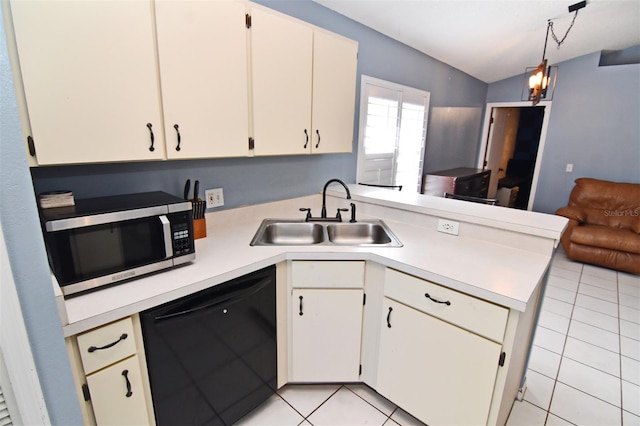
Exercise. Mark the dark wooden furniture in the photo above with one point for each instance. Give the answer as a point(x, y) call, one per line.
point(463, 181)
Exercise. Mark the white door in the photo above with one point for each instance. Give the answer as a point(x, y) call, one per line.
point(500, 144)
point(335, 60)
point(202, 48)
point(117, 396)
point(90, 80)
point(488, 140)
point(281, 54)
point(327, 329)
point(438, 372)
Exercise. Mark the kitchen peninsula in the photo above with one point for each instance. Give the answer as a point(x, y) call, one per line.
point(493, 272)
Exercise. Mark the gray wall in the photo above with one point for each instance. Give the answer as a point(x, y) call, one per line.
point(245, 180)
point(593, 125)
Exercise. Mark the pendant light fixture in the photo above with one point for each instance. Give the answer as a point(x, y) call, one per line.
point(540, 81)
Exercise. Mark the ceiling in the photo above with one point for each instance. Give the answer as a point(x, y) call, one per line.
point(496, 39)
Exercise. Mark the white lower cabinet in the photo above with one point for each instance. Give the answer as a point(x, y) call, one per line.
point(327, 325)
point(117, 396)
point(109, 367)
point(326, 321)
point(438, 372)
point(443, 356)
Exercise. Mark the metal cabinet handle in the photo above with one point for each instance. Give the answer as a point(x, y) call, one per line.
point(301, 313)
point(446, 302)
point(31, 145)
point(389, 317)
point(94, 348)
point(175, 126)
point(149, 126)
point(128, 383)
point(318, 133)
point(307, 138)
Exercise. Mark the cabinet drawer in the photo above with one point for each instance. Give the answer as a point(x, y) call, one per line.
point(106, 345)
point(475, 315)
point(327, 274)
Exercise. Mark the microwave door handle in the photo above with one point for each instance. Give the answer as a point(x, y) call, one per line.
point(166, 231)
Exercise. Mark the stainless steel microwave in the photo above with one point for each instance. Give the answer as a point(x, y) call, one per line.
point(106, 240)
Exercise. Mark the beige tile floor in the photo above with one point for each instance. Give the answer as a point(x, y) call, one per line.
point(584, 367)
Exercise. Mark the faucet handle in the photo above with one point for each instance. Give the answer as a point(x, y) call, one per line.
point(338, 215)
point(308, 210)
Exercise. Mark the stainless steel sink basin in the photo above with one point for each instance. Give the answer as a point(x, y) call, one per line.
point(358, 233)
point(287, 232)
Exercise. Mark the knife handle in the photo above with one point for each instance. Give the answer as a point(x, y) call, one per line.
point(187, 186)
point(196, 189)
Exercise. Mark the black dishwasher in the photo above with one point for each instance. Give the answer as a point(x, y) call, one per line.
point(212, 355)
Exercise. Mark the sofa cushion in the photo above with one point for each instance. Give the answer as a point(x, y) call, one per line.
point(618, 260)
point(607, 203)
point(606, 237)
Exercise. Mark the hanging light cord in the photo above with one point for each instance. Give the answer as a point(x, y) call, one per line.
point(553, 34)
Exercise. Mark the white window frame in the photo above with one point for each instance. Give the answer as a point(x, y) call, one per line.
point(404, 91)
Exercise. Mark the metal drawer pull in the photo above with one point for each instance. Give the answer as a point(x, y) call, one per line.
point(446, 302)
point(93, 348)
point(307, 140)
point(149, 126)
point(389, 317)
point(301, 313)
point(126, 378)
point(318, 133)
point(175, 126)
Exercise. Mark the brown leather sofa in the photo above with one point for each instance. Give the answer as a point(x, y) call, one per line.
point(604, 224)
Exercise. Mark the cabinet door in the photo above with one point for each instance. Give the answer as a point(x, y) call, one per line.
point(327, 329)
point(117, 396)
point(90, 79)
point(202, 49)
point(334, 91)
point(281, 51)
point(436, 371)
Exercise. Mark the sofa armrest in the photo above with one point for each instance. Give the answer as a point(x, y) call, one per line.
point(572, 213)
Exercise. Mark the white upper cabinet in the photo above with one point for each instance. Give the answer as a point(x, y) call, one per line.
point(109, 81)
point(281, 52)
point(90, 80)
point(304, 83)
point(202, 50)
point(335, 60)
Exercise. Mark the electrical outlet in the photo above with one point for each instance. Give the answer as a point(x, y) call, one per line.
point(214, 197)
point(448, 226)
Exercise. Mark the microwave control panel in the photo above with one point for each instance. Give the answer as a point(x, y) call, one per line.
point(182, 235)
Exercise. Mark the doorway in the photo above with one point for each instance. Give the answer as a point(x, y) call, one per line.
point(514, 135)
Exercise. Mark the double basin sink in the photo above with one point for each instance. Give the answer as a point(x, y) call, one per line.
point(291, 232)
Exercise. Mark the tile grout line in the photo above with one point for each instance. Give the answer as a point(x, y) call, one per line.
point(320, 405)
point(388, 417)
point(555, 382)
point(620, 350)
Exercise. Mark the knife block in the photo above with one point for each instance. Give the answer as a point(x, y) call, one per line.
point(199, 228)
